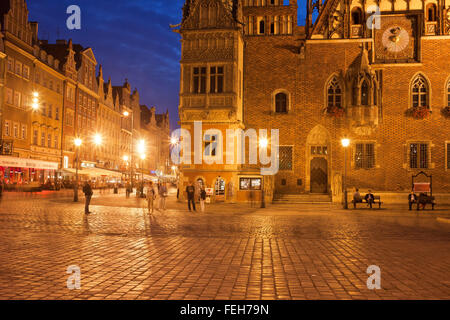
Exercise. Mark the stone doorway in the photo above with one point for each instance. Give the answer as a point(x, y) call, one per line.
point(319, 175)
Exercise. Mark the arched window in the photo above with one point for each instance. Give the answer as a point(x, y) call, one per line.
point(364, 93)
point(281, 103)
point(420, 94)
point(356, 15)
point(334, 93)
point(431, 12)
point(448, 93)
point(261, 27)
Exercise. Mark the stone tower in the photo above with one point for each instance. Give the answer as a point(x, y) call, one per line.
point(211, 90)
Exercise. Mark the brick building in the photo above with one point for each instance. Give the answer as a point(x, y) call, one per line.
point(381, 80)
point(50, 95)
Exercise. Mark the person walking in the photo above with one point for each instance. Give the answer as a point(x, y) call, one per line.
point(202, 199)
point(128, 189)
point(87, 190)
point(190, 190)
point(151, 196)
point(162, 191)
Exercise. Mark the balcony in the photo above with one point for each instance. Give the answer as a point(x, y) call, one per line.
point(357, 30)
point(363, 116)
point(430, 28)
point(213, 100)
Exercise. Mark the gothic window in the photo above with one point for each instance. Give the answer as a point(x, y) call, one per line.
point(216, 79)
point(281, 101)
point(365, 156)
point(448, 155)
point(334, 93)
point(356, 15)
point(448, 93)
point(431, 12)
point(365, 93)
point(418, 155)
point(199, 80)
point(285, 157)
point(420, 92)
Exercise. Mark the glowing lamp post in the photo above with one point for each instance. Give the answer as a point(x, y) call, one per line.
point(77, 143)
point(263, 144)
point(345, 143)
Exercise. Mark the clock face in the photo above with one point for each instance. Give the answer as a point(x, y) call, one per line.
point(395, 39)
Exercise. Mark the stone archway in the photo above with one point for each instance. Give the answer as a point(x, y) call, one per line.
point(318, 151)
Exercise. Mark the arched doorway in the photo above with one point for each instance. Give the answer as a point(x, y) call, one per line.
point(219, 189)
point(319, 175)
point(318, 154)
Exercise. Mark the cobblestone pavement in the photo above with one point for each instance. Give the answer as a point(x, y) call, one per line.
point(228, 252)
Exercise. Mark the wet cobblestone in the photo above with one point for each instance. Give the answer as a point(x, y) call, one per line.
point(229, 252)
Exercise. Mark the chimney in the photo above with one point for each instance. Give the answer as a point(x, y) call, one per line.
point(34, 29)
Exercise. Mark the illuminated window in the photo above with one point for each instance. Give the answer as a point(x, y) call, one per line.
point(334, 94)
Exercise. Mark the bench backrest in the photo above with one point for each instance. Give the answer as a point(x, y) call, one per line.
point(422, 187)
point(377, 197)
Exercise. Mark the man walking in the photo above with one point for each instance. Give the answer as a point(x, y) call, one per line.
point(151, 196)
point(87, 190)
point(190, 190)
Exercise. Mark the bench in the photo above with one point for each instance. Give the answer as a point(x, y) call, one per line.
point(426, 200)
point(377, 200)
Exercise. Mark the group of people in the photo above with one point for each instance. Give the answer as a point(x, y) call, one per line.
point(369, 198)
point(421, 200)
point(191, 197)
point(151, 196)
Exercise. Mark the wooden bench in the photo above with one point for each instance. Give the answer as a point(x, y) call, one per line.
point(426, 200)
point(377, 200)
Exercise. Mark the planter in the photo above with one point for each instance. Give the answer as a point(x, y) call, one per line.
point(418, 113)
point(335, 112)
point(446, 112)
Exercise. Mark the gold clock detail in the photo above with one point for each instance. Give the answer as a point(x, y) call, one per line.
point(395, 39)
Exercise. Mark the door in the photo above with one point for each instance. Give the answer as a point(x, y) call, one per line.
point(319, 175)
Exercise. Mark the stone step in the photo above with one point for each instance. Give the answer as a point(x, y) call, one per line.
point(302, 198)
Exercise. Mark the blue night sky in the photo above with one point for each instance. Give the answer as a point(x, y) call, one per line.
point(130, 38)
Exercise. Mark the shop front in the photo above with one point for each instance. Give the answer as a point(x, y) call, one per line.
point(15, 172)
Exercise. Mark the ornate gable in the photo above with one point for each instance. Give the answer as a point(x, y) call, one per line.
point(209, 14)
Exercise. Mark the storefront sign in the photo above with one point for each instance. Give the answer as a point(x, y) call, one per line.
point(209, 191)
point(27, 163)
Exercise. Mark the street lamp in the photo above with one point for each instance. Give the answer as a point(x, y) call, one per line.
point(143, 156)
point(35, 104)
point(77, 143)
point(98, 139)
point(345, 143)
point(263, 143)
point(126, 114)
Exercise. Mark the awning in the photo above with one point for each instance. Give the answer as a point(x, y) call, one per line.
point(94, 172)
point(6, 161)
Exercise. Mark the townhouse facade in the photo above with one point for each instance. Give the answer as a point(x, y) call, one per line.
point(54, 93)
